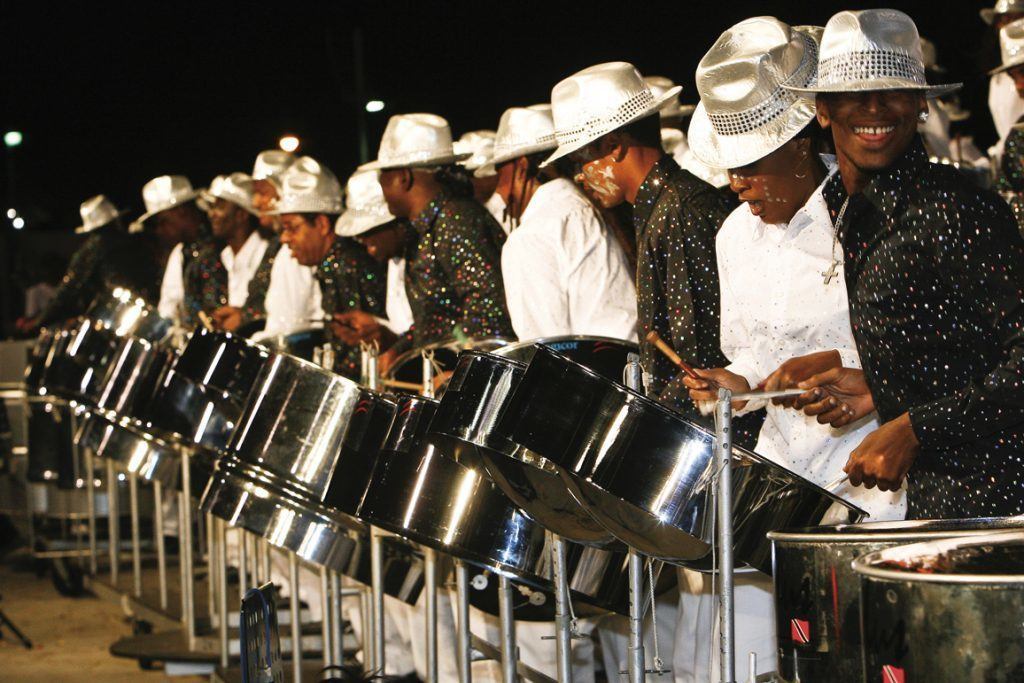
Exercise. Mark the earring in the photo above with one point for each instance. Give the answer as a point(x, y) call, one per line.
point(923, 116)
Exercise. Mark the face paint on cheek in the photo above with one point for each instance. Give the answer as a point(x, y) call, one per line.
point(601, 180)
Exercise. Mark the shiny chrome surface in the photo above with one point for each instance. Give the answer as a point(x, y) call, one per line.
point(124, 314)
point(365, 433)
point(646, 473)
point(403, 566)
point(200, 398)
point(408, 366)
point(300, 343)
point(958, 621)
point(134, 450)
point(477, 396)
point(128, 385)
point(36, 367)
point(817, 593)
point(420, 490)
point(604, 355)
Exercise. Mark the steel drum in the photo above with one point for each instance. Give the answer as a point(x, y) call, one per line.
point(420, 490)
point(50, 453)
point(646, 473)
point(273, 475)
point(300, 343)
point(947, 610)
point(36, 367)
point(604, 355)
point(408, 367)
point(817, 593)
point(139, 452)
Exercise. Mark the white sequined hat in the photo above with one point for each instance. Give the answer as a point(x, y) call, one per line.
point(97, 212)
point(745, 113)
point(989, 14)
point(598, 100)
point(660, 85)
point(523, 131)
point(478, 144)
point(869, 50)
point(1011, 46)
point(162, 193)
point(271, 163)
point(365, 208)
point(236, 188)
point(416, 140)
point(308, 187)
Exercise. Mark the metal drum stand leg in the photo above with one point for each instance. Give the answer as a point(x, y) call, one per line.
point(243, 563)
point(377, 604)
point(293, 580)
point(158, 539)
point(325, 617)
point(113, 522)
point(337, 645)
point(509, 649)
point(563, 613)
point(637, 661)
point(464, 635)
point(212, 582)
point(90, 506)
point(726, 616)
point(430, 577)
point(185, 538)
point(133, 504)
point(220, 527)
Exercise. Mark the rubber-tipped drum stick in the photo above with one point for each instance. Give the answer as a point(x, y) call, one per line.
point(654, 338)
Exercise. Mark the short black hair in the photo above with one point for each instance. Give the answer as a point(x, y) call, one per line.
point(645, 131)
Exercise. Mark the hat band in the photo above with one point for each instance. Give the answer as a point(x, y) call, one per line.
point(870, 65)
point(597, 126)
point(416, 157)
point(308, 205)
point(781, 99)
point(511, 146)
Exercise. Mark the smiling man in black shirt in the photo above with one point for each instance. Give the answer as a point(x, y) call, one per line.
point(934, 268)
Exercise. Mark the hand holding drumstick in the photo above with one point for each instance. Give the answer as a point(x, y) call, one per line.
point(702, 384)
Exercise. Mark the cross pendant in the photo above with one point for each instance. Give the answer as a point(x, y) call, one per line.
point(831, 272)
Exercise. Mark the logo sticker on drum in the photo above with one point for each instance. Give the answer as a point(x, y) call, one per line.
point(800, 631)
point(893, 674)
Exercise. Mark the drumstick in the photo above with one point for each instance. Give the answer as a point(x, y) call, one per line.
point(835, 483)
point(654, 338)
point(397, 384)
point(205, 320)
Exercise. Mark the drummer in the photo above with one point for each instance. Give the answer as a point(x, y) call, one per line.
point(347, 276)
point(934, 269)
point(173, 216)
point(781, 324)
point(240, 255)
point(84, 279)
point(453, 269)
point(676, 216)
point(562, 270)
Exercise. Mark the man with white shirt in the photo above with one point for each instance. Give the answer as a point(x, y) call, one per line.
point(173, 216)
point(563, 272)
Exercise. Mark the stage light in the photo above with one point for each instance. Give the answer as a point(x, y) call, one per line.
point(374, 106)
point(18, 223)
point(289, 143)
point(12, 138)
point(12, 213)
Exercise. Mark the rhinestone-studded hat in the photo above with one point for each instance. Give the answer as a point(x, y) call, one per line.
point(162, 193)
point(872, 49)
point(1011, 46)
point(416, 140)
point(745, 113)
point(365, 208)
point(308, 187)
point(989, 14)
point(97, 212)
point(478, 144)
point(523, 131)
point(660, 85)
point(598, 100)
point(270, 164)
point(236, 188)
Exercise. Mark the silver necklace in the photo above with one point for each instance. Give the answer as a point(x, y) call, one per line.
point(832, 271)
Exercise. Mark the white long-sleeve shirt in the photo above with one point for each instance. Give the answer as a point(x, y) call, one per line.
point(397, 304)
point(172, 287)
point(775, 306)
point(1006, 107)
point(293, 296)
point(564, 273)
point(242, 266)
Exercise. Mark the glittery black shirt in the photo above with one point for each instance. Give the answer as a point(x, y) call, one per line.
point(453, 273)
point(350, 279)
point(83, 279)
point(935, 275)
point(206, 283)
point(677, 217)
point(1011, 177)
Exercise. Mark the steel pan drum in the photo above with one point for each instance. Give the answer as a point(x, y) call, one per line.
point(646, 473)
point(604, 355)
point(300, 343)
point(36, 367)
point(817, 593)
point(276, 469)
point(420, 490)
point(408, 367)
point(50, 454)
point(132, 377)
point(946, 610)
point(470, 410)
point(150, 457)
point(367, 429)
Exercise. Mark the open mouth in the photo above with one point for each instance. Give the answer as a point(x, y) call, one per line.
point(874, 134)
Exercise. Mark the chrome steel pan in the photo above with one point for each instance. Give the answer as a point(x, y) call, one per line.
point(604, 355)
point(408, 367)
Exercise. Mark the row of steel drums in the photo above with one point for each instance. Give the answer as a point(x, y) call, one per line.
point(527, 438)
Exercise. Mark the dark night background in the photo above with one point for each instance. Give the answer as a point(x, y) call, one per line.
point(111, 94)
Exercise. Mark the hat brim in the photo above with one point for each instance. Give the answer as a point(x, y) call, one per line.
point(929, 91)
point(355, 222)
point(379, 165)
point(83, 229)
point(523, 151)
point(736, 151)
point(1006, 67)
point(656, 106)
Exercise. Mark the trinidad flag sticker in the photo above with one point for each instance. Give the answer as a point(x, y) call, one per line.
point(800, 631)
point(893, 674)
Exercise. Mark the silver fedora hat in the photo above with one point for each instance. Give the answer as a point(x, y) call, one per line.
point(745, 112)
point(479, 144)
point(523, 131)
point(416, 140)
point(236, 188)
point(163, 193)
point(97, 212)
point(365, 208)
point(598, 100)
point(662, 84)
point(989, 14)
point(271, 163)
point(308, 187)
point(1011, 46)
point(869, 50)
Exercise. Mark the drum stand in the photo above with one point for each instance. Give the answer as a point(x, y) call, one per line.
point(374, 656)
point(726, 615)
point(188, 603)
point(564, 622)
point(637, 659)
